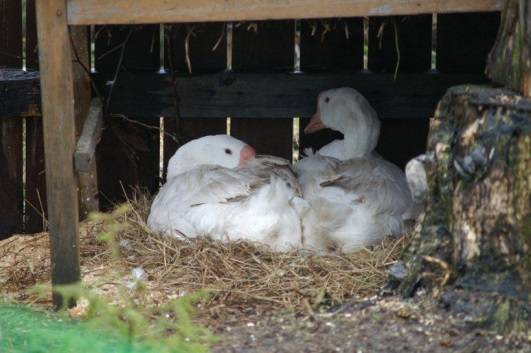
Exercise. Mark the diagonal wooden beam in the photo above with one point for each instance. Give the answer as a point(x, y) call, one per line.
point(57, 87)
point(85, 12)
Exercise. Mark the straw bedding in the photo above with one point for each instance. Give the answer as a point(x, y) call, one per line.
point(238, 276)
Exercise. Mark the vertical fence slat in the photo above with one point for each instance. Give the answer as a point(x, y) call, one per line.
point(11, 197)
point(36, 206)
point(11, 183)
point(325, 46)
point(11, 33)
point(204, 56)
point(128, 153)
point(269, 48)
point(401, 139)
point(32, 53)
point(464, 41)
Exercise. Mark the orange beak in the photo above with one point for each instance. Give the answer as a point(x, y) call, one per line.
point(247, 153)
point(315, 124)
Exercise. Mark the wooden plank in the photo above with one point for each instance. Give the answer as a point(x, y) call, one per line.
point(203, 59)
point(202, 38)
point(128, 153)
point(414, 44)
point(11, 33)
point(32, 52)
point(147, 96)
point(325, 45)
point(464, 41)
point(84, 12)
point(36, 207)
point(11, 197)
point(401, 138)
point(278, 95)
point(11, 187)
point(57, 88)
point(20, 93)
point(85, 153)
point(267, 48)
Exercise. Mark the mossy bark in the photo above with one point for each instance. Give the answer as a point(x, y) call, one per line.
point(472, 244)
point(509, 62)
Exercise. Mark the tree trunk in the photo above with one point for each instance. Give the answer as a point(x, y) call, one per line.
point(471, 248)
point(509, 60)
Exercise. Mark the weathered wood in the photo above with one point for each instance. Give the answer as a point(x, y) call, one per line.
point(413, 37)
point(464, 41)
point(85, 152)
point(88, 190)
point(32, 52)
point(473, 241)
point(36, 207)
point(20, 93)
point(57, 88)
point(11, 188)
point(509, 61)
point(128, 154)
point(277, 95)
point(10, 33)
point(330, 48)
point(84, 12)
point(253, 95)
point(268, 49)
point(11, 197)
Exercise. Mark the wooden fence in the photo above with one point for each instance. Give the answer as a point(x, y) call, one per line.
point(262, 58)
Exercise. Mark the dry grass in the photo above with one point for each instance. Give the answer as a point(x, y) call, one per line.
point(238, 276)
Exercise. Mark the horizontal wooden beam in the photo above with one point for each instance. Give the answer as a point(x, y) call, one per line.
point(410, 96)
point(19, 93)
point(86, 12)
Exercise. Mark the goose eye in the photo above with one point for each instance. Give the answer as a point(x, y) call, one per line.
point(327, 99)
point(228, 151)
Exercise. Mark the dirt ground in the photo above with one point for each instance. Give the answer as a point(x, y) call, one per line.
point(372, 325)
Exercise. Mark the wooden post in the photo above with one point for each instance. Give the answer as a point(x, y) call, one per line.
point(58, 110)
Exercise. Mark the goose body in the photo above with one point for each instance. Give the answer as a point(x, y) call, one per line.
point(355, 196)
point(254, 201)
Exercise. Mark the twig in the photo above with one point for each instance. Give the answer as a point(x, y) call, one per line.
point(121, 116)
point(397, 47)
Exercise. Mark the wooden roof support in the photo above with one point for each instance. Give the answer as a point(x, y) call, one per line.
point(85, 12)
point(57, 87)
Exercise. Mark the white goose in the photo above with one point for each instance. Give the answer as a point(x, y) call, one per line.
point(356, 197)
point(218, 188)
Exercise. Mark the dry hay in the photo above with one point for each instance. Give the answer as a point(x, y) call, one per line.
point(239, 276)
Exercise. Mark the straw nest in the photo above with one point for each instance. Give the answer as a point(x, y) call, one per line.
point(239, 276)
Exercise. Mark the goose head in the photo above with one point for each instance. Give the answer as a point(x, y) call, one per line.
point(347, 111)
point(219, 150)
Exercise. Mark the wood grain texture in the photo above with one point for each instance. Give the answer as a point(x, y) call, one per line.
point(85, 152)
point(11, 197)
point(268, 48)
point(36, 207)
point(57, 87)
point(83, 12)
point(11, 33)
point(278, 95)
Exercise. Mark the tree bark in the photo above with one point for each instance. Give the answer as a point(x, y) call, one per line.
point(509, 61)
point(471, 248)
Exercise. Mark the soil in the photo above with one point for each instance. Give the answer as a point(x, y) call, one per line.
point(388, 324)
